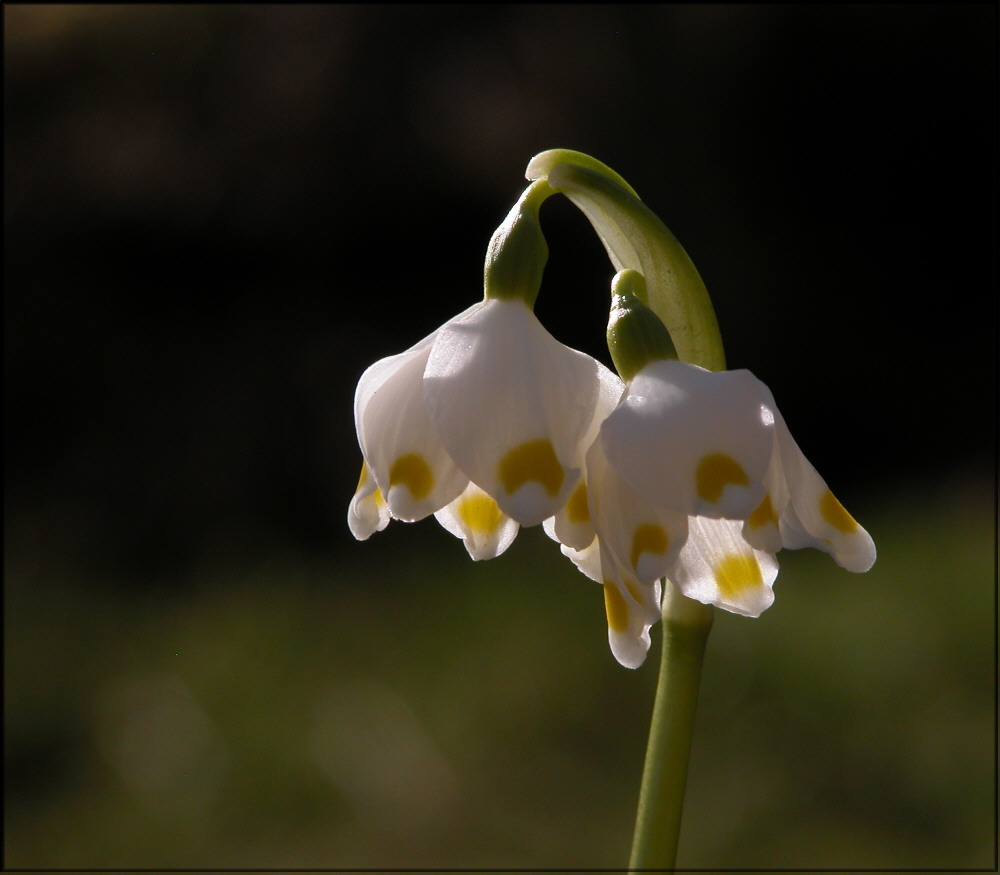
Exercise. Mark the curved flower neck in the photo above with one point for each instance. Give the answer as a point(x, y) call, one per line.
point(635, 238)
point(516, 256)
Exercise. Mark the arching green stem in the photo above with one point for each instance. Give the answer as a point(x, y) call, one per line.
point(636, 238)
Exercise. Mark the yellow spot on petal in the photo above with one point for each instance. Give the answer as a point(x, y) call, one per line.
point(648, 538)
point(532, 461)
point(763, 515)
point(364, 477)
point(715, 472)
point(833, 512)
point(576, 508)
point(617, 609)
point(737, 573)
point(479, 512)
point(366, 480)
point(414, 473)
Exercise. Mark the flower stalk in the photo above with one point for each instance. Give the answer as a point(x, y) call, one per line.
point(662, 276)
point(686, 624)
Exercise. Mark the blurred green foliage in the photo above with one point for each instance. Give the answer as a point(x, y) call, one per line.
point(408, 708)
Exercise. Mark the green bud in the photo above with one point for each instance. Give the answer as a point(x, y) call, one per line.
point(636, 336)
point(517, 253)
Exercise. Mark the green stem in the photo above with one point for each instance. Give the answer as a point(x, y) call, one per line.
point(635, 238)
point(686, 624)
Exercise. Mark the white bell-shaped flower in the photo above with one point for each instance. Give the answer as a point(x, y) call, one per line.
point(695, 478)
point(407, 473)
point(713, 445)
point(512, 406)
point(484, 423)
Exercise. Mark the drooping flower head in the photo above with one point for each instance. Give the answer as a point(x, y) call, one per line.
point(484, 422)
point(711, 448)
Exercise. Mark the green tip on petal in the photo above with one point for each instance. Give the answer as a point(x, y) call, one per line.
point(517, 253)
point(636, 336)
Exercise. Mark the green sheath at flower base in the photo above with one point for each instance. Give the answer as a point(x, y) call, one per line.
point(517, 252)
point(636, 238)
point(636, 336)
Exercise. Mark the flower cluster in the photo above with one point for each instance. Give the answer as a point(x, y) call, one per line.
point(673, 476)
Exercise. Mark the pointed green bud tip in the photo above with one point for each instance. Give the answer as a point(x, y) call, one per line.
point(517, 253)
point(636, 336)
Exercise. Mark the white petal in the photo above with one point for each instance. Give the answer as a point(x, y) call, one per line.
point(631, 643)
point(693, 440)
point(572, 524)
point(761, 529)
point(643, 538)
point(377, 374)
point(718, 567)
point(549, 527)
point(587, 560)
point(368, 512)
point(631, 609)
point(408, 462)
point(511, 405)
point(478, 521)
point(813, 517)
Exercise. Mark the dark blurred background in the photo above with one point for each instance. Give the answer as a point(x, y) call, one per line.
point(217, 216)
